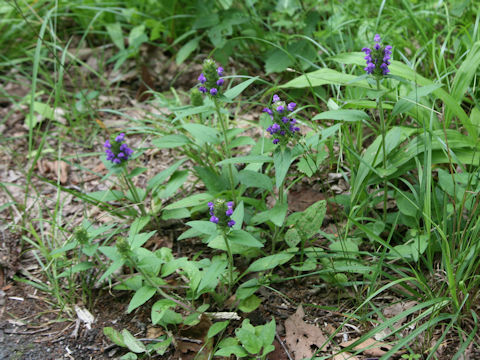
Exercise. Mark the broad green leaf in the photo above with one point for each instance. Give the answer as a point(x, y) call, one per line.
point(405, 104)
point(114, 335)
point(255, 179)
point(192, 200)
point(132, 343)
point(171, 141)
point(268, 333)
point(249, 340)
point(277, 62)
point(276, 215)
point(292, 238)
point(247, 289)
point(216, 328)
point(249, 159)
point(236, 350)
point(116, 34)
point(325, 76)
point(282, 160)
point(210, 276)
point(249, 304)
point(141, 296)
point(343, 115)
point(311, 220)
point(269, 262)
point(163, 314)
point(204, 227)
point(106, 195)
point(203, 134)
point(238, 89)
point(186, 50)
point(164, 175)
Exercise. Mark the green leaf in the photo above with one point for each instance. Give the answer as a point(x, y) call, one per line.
point(255, 179)
point(307, 166)
point(247, 289)
point(204, 227)
point(141, 296)
point(116, 34)
point(249, 159)
point(129, 356)
point(281, 160)
point(192, 200)
point(162, 313)
point(77, 268)
point(236, 350)
point(343, 115)
point(210, 277)
point(137, 36)
point(214, 183)
point(249, 304)
point(276, 215)
point(269, 262)
point(325, 76)
point(114, 335)
point(238, 89)
point(133, 344)
point(203, 134)
point(174, 183)
point(268, 333)
point(292, 238)
point(171, 141)
point(186, 50)
point(164, 175)
point(311, 220)
point(277, 61)
point(250, 341)
point(405, 104)
point(216, 328)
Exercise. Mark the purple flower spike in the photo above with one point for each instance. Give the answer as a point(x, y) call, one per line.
point(280, 109)
point(213, 91)
point(377, 38)
point(275, 98)
point(220, 71)
point(291, 106)
point(120, 137)
point(377, 46)
point(366, 50)
point(202, 79)
point(268, 111)
point(229, 212)
point(107, 144)
point(377, 58)
point(284, 119)
point(220, 82)
point(231, 223)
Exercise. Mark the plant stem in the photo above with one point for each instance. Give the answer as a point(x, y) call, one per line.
point(133, 191)
point(227, 149)
point(383, 130)
point(230, 264)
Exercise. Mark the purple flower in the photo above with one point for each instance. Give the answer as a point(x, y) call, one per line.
point(268, 111)
point(213, 91)
point(284, 119)
point(291, 106)
point(220, 71)
point(202, 79)
point(202, 89)
point(275, 98)
point(214, 219)
point(377, 59)
point(280, 108)
point(275, 128)
point(229, 212)
point(276, 141)
point(220, 82)
point(116, 150)
point(231, 223)
point(220, 212)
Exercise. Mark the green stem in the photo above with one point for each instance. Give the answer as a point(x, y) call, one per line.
point(226, 150)
point(383, 130)
point(230, 264)
point(133, 191)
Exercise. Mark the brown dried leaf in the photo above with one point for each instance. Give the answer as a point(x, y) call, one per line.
point(301, 337)
point(54, 168)
point(344, 356)
point(395, 309)
point(369, 347)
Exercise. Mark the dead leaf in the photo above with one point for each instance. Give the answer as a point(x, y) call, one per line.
point(302, 338)
point(395, 309)
point(154, 332)
point(344, 356)
point(369, 347)
point(54, 168)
